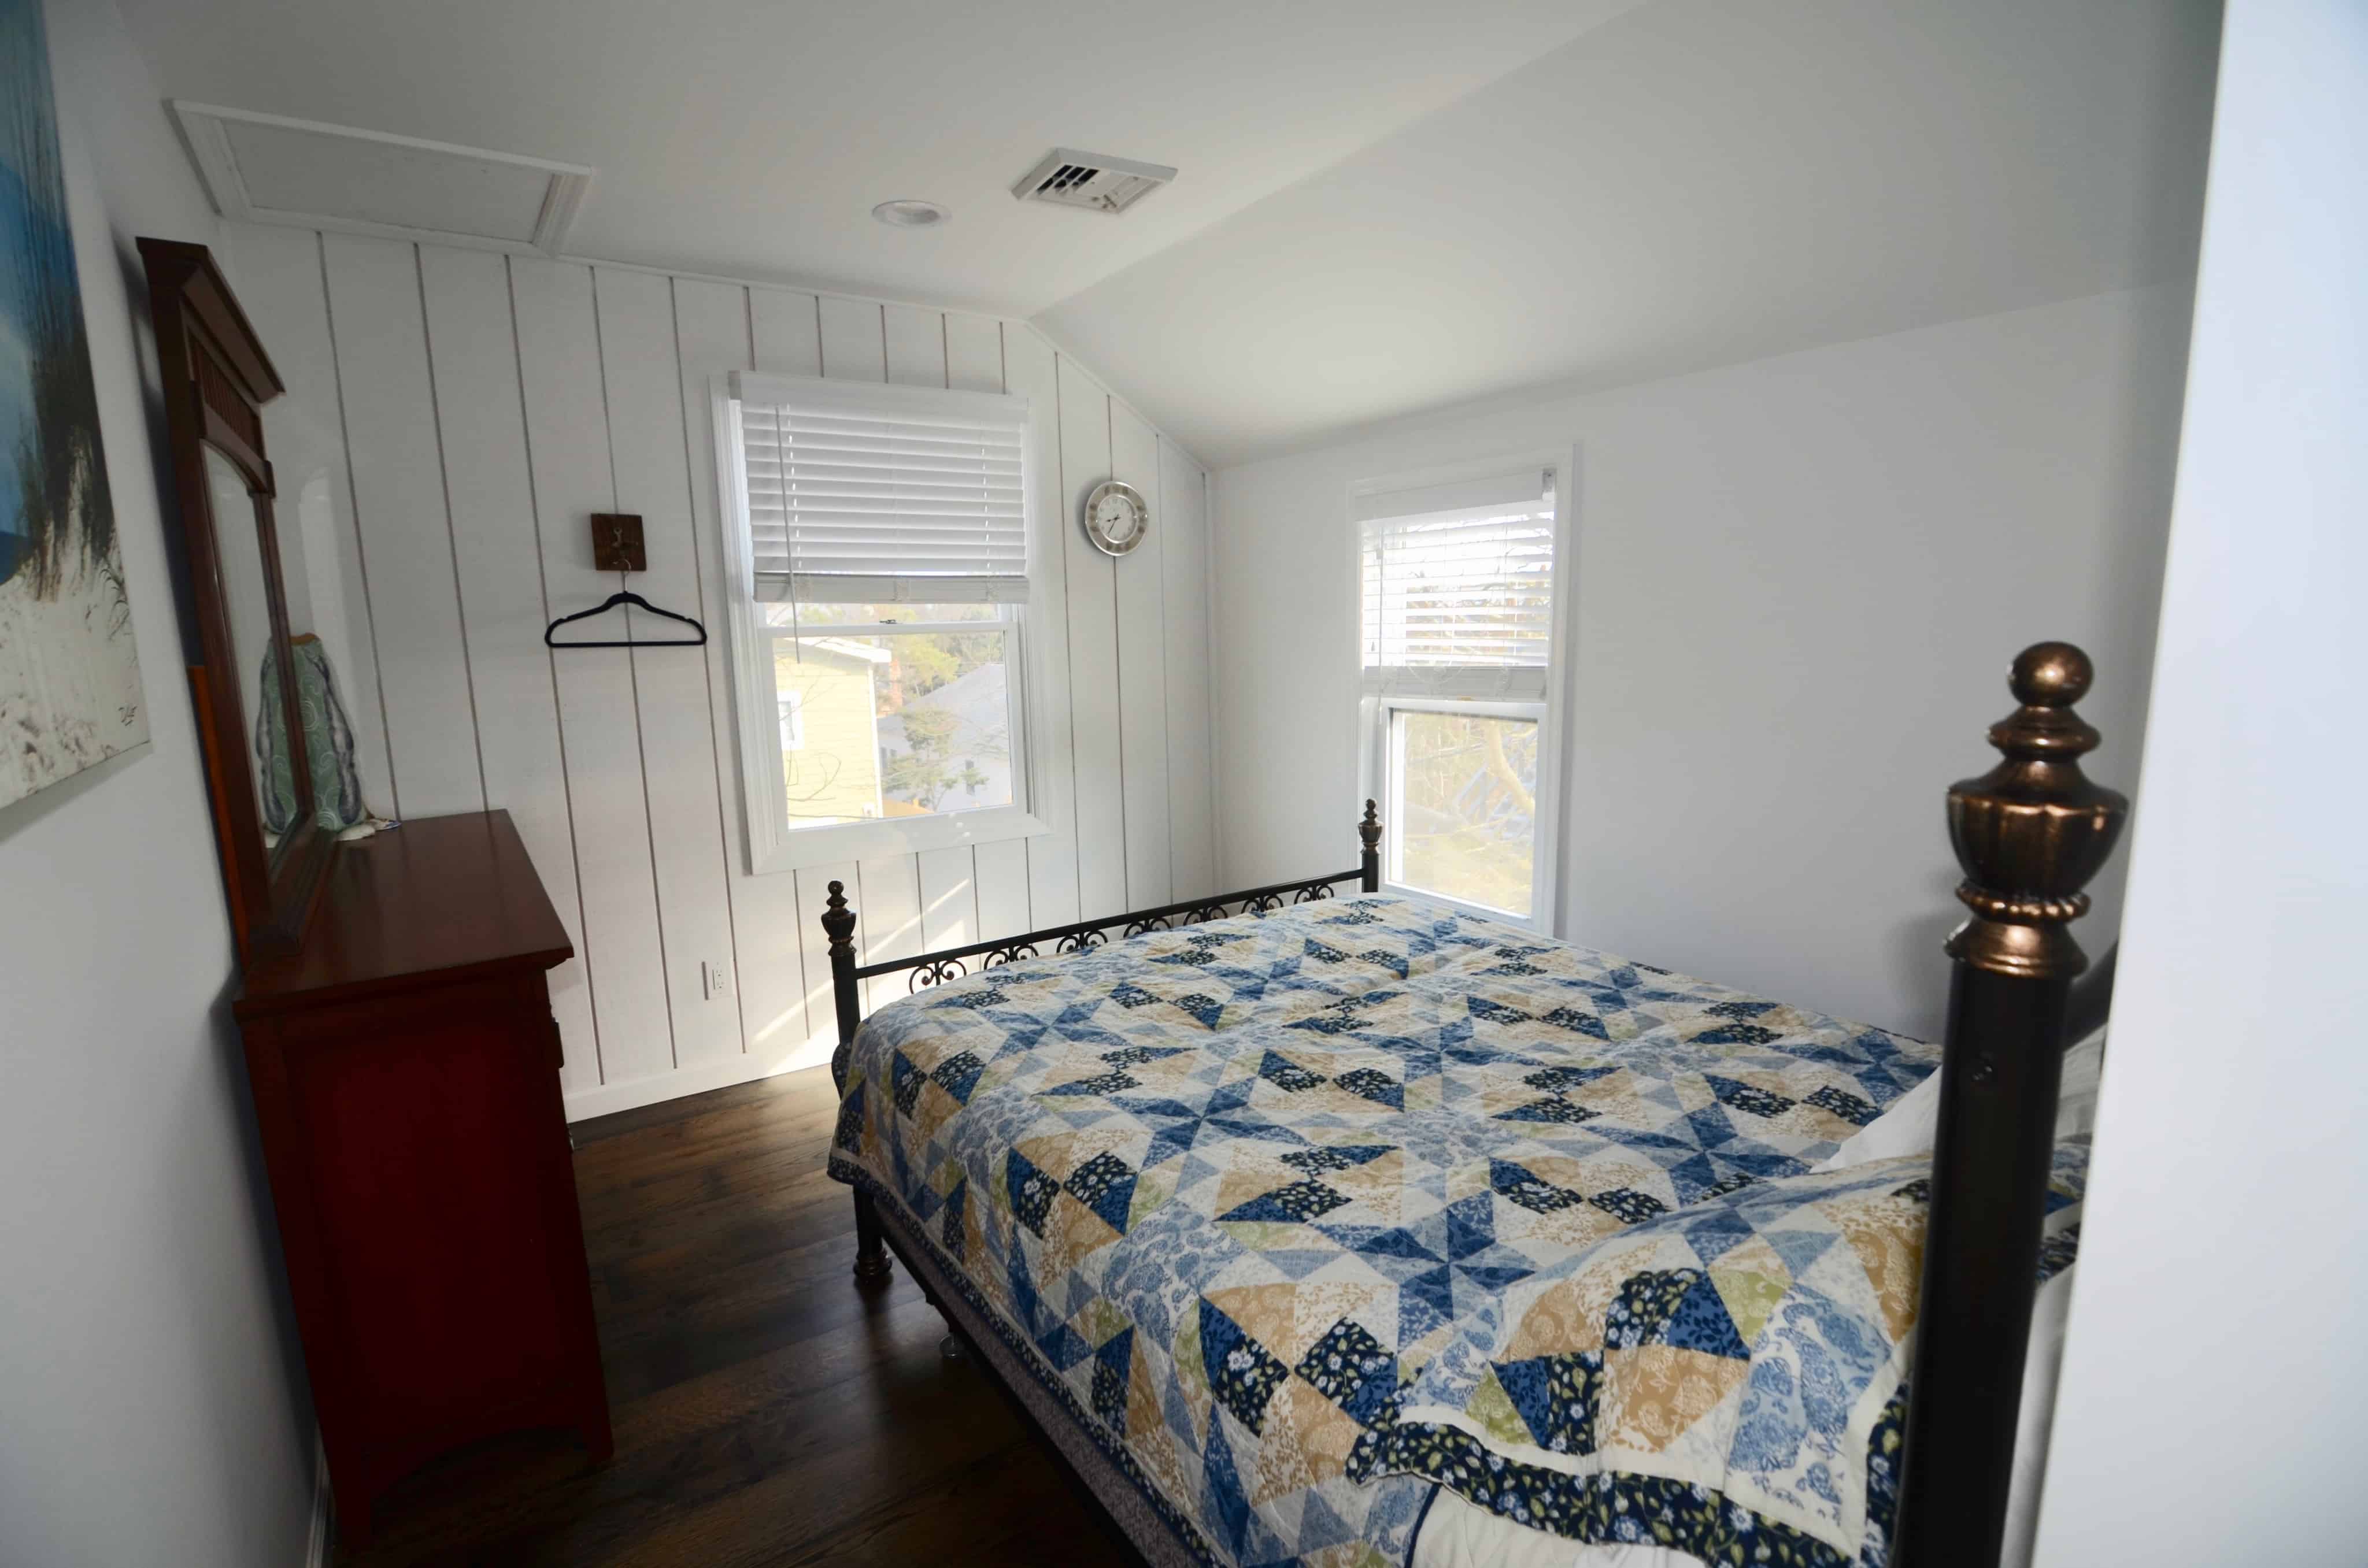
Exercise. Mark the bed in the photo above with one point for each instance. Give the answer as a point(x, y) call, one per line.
point(1315, 1224)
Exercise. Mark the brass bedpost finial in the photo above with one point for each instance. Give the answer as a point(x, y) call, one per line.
point(837, 920)
point(1370, 830)
point(2032, 831)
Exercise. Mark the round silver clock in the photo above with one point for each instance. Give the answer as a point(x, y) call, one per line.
point(1117, 516)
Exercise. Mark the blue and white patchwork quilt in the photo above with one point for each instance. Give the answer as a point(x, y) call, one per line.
point(1305, 1215)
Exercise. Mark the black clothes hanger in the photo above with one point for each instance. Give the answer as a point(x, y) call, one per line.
point(627, 596)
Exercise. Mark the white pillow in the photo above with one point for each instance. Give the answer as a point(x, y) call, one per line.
point(1907, 1127)
point(2075, 1103)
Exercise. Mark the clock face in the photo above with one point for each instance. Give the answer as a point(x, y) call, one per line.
point(1117, 517)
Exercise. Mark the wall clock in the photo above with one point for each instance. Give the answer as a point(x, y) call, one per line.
point(1117, 516)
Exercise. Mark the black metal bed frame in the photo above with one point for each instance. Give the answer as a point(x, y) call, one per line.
point(2030, 834)
point(847, 976)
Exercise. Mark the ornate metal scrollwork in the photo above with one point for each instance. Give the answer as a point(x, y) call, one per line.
point(1011, 954)
point(1083, 941)
point(1155, 923)
point(1205, 913)
point(936, 972)
point(1310, 893)
point(1263, 904)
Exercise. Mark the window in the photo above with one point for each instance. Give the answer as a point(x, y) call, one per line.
point(1458, 588)
point(877, 537)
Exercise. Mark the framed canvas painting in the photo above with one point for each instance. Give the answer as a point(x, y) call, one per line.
point(70, 692)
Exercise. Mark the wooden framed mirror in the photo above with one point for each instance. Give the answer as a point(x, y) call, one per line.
point(243, 669)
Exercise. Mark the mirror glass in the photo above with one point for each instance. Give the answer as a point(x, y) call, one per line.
point(293, 532)
point(246, 601)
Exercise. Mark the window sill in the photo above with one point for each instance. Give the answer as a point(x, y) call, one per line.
point(891, 835)
point(1464, 906)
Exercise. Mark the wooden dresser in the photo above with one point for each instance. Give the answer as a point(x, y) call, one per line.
point(405, 1073)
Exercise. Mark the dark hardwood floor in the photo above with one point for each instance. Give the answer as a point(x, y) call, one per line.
point(768, 1411)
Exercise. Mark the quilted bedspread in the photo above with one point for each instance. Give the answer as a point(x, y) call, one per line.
point(1304, 1215)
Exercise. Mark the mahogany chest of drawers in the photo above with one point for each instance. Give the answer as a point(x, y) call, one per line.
point(405, 1073)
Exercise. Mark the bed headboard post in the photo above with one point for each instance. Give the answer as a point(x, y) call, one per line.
point(2029, 833)
point(1369, 831)
point(838, 924)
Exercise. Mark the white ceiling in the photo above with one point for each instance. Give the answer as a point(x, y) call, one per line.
point(1384, 205)
point(753, 136)
point(1695, 184)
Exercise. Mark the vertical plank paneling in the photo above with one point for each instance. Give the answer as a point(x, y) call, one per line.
point(1142, 667)
point(1030, 370)
point(916, 347)
point(455, 418)
point(890, 886)
point(279, 278)
point(785, 327)
point(1092, 592)
point(1001, 874)
point(712, 321)
point(475, 359)
point(949, 898)
point(974, 363)
point(406, 539)
point(1190, 814)
point(854, 345)
point(643, 373)
point(973, 354)
point(559, 366)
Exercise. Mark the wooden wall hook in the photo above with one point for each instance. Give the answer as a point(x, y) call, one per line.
point(616, 542)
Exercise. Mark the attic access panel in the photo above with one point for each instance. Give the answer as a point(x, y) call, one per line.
point(266, 168)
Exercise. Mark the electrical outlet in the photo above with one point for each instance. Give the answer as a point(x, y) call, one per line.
point(717, 978)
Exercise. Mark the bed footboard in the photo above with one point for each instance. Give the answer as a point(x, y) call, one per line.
point(925, 970)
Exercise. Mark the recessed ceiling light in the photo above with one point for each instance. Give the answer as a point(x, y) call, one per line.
point(909, 214)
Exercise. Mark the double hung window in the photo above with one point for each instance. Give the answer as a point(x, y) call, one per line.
point(1458, 588)
point(878, 543)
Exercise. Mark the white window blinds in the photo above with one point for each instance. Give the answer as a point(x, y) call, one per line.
point(1458, 586)
point(862, 494)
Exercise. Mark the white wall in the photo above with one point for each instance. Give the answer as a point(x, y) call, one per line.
point(153, 1412)
point(459, 415)
point(2213, 1378)
point(1799, 583)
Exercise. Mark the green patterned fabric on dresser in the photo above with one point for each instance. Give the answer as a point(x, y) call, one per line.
point(1306, 1214)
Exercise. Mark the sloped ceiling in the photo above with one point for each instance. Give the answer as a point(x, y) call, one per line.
point(753, 136)
point(1386, 205)
point(1694, 184)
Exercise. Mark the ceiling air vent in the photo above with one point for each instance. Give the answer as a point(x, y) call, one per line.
point(1070, 179)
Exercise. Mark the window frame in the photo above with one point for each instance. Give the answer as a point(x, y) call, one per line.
point(772, 845)
point(1378, 780)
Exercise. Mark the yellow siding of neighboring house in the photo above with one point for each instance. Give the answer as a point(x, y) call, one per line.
point(835, 776)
